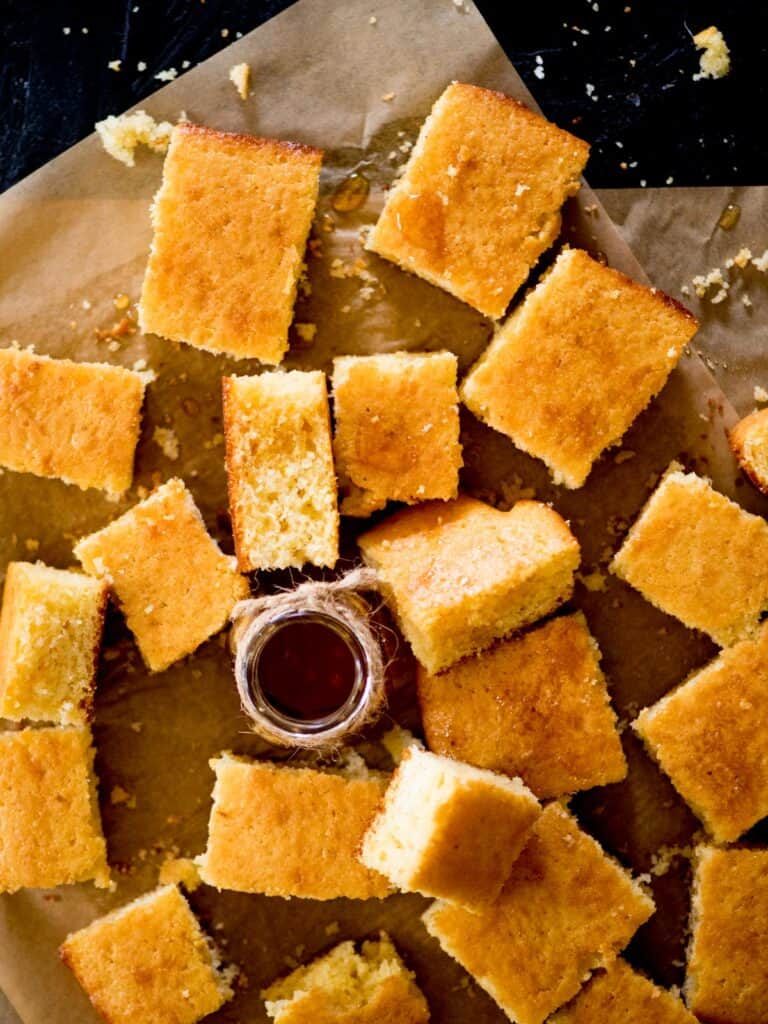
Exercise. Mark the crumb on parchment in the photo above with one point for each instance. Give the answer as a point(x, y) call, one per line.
point(121, 135)
point(715, 59)
point(240, 77)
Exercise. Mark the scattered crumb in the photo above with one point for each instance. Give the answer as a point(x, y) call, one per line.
point(397, 740)
point(306, 332)
point(121, 301)
point(118, 795)
point(388, 97)
point(167, 442)
point(760, 394)
point(715, 61)
point(114, 65)
point(372, 20)
point(141, 66)
point(32, 545)
point(121, 135)
point(240, 77)
point(594, 581)
point(180, 869)
point(167, 75)
point(332, 929)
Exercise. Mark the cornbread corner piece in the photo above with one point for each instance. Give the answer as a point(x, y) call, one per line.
point(346, 987)
point(49, 812)
point(710, 736)
point(620, 994)
point(449, 829)
point(282, 483)
point(173, 583)
point(290, 831)
point(749, 441)
point(566, 910)
point(461, 574)
point(535, 706)
point(397, 428)
point(697, 555)
point(480, 198)
point(576, 363)
point(50, 632)
point(78, 422)
point(149, 960)
point(230, 222)
point(727, 974)
point(715, 59)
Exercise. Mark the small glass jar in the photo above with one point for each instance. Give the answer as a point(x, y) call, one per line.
point(350, 638)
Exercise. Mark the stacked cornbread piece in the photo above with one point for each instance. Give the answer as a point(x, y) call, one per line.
point(515, 708)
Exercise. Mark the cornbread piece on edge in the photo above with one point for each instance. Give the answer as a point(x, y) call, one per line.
point(576, 362)
point(749, 441)
point(149, 960)
point(397, 429)
point(619, 994)
point(347, 987)
point(449, 830)
point(282, 483)
point(49, 811)
point(536, 706)
point(566, 910)
point(461, 574)
point(697, 555)
point(50, 632)
point(230, 222)
point(78, 422)
point(480, 198)
point(727, 973)
point(290, 831)
point(710, 736)
point(170, 578)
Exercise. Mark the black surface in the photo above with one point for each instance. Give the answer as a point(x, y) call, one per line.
point(54, 86)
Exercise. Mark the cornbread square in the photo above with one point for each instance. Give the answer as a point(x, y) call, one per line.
point(619, 994)
point(749, 441)
point(397, 428)
point(480, 198)
point(461, 574)
point(700, 557)
point(172, 582)
point(536, 706)
point(727, 974)
point(347, 987)
point(230, 222)
point(50, 830)
point(282, 483)
point(449, 830)
point(290, 831)
point(50, 632)
point(78, 422)
point(566, 910)
point(710, 735)
point(576, 362)
point(149, 960)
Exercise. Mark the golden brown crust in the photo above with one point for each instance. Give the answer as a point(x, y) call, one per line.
point(255, 141)
point(536, 706)
point(576, 363)
point(710, 735)
point(619, 994)
point(480, 198)
point(727, 977)
point(749, 443)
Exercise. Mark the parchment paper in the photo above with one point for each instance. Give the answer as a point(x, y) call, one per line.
point(78, 230)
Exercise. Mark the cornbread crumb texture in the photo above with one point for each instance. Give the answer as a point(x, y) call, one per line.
point(480, 198)
point(50, 830)
point(173, 584)
point(180, 870)
point(536, 706)
point(619, 994)
point(149, 960)
point(698, 556)
point(727, 975)
point(710, 735)
point(461, 574)
point(397, 428)
point(120, 136)
point(231, 222)
point(749, 441)
point(576, 362)
point(449, 829)
point(50, 631)
point(566, 910)
point(78, 422)
point(715, 59)
point(289, 832)
point(347, 987)
point(282, 482)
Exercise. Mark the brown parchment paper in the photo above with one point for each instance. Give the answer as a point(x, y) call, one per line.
point(77, 232)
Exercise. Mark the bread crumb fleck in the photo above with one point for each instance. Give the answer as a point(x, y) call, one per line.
point(118, 795)
point(167, 75)
point(121, 135)
point(167, 442)
point(114, 65)
point(760, 394)
point(180, 869)
point(715, 60)
point(388, 97)
point(306, 332)
point(240, 77)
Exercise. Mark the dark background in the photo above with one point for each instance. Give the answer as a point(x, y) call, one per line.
point(648, 121)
